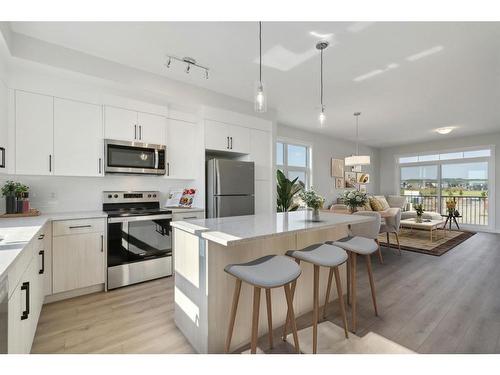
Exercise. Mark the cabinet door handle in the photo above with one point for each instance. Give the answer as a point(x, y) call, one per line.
point(135, 131)
point(42, 253)
point(227, 143)
point(41, 237)
point(2, 153)
point(231, 143)
point(100, 163)
point(80, 226)
point(102, 243)
point(26, 286)
point(189, 217)
point(140, 132)
point(50, 163)
point(168, 168)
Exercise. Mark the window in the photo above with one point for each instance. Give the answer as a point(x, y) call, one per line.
point(462, 177)
point(294, 160)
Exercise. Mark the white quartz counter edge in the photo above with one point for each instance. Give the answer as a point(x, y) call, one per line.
point(184, 209)
point(20, 231)
point(227, 239)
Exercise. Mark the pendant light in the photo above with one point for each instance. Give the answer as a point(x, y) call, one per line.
point(321, 46)
point(260, 97)
point(357, 159)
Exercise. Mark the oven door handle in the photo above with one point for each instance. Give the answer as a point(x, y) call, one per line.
point(138, 218)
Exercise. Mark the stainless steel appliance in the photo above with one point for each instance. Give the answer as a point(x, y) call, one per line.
point(139, 237)
point(4, 315)
point(230, 188)
point(134, 157)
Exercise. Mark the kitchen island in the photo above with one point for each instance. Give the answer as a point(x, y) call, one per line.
point(203, 291)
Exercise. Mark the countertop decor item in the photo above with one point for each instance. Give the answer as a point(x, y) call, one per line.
point(30, 213)
point(9, 192)
point(286, 192)
point(312, 200)
point(354, 199)
point(419, 208)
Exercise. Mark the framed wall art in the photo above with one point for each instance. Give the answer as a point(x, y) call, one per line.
point(337, 168)
point(362, 178)
point(339, 183)
point(350, 180)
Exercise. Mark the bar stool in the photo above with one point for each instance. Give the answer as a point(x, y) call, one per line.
point(272, 271)
point(321, 255)
point(362, 241)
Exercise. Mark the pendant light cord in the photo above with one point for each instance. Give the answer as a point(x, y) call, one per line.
point(260, 52)
point(321, 81)
point(357, 134)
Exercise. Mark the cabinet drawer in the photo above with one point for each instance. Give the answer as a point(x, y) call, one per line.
point(68, 227)
point(188, 215)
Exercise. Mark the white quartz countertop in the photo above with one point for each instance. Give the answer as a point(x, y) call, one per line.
point(231, 230)
point(15, 233)
point(184, 209)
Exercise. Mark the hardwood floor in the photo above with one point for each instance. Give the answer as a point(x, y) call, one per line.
point(447, 304)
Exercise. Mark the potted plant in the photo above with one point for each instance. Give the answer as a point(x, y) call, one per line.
point(312, 200)
point(21, 191)
point(286, 191)
point(451, 204)
point(9, 192)
point(354, 199)
point(419, 208)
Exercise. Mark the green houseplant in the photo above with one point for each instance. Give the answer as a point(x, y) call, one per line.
point(21, 194)
point(9, 192)
point(286, 192)
point(312, 200)
point(419, 208)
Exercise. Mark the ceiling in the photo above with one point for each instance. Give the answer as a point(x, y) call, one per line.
point(406, 78)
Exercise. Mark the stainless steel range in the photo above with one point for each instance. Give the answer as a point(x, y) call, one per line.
point(139, 237)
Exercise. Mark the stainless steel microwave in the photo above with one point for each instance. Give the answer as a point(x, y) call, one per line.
point(134, 157)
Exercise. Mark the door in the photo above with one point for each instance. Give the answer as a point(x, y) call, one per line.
point(34, 133)
point(216, 136)
point(77, 261)
point(120, 124)
point(181, 146)
point(234, 205)
point(151, 128)
point(234, 177)
point(78, 135)
point(239, 139)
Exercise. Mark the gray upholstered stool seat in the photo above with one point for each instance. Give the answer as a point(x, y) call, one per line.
point(320, 254)
point(359, 245)
point(267, 272)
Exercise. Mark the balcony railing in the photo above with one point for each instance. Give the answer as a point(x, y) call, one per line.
point(474, 209)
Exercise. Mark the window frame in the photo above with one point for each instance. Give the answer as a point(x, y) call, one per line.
point(286, 168)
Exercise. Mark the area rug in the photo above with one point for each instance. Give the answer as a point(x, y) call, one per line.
point(418, 240)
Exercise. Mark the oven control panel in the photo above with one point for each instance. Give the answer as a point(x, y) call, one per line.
point(130, 196)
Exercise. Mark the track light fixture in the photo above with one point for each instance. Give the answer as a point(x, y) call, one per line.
point(190, 63)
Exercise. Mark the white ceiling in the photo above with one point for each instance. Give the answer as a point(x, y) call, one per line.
point(403, 100)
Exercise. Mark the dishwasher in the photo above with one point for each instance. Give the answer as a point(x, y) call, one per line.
point(4, 314)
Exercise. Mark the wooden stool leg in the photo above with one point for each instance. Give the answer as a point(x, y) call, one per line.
point(349, 261)
point(255, 319)
point(289, 301)
point(285, 327)
point(380, 258)
point(397, 239)
point(353, 291)
point(372, 285)
point(341, 298)
point(316, 308)
point(328, 288)
point(269, 317)
point(234, 307)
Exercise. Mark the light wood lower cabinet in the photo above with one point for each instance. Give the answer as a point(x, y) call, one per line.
point(77, 261)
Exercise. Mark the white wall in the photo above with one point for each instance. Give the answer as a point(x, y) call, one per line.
point(388, 172)
point(325, 148)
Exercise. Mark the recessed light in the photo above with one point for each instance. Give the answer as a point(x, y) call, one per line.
point(320, 36)
point(371, 74)
point(425, 53)
point(392, 66)
point(445, 130)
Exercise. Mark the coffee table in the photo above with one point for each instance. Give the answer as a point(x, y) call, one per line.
point(432, 225)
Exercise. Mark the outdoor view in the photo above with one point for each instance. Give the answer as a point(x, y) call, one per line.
point(464, 183)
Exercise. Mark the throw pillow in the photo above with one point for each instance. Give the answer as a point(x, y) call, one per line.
point(383, 202)
point(376, 205)
point(367, 206)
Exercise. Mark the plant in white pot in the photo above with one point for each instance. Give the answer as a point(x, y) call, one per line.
point(354, 199)
point(312, 200)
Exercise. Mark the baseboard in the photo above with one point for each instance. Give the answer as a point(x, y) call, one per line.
point(74, 293)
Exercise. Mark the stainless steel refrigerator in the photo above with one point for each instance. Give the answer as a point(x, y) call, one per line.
point(230, 188)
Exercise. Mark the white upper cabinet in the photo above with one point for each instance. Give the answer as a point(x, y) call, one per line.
point(127, 125)
point(181, 149)
point(3, 126)
point(151, 128)
point(120, 124)
point(260, 151)
point(34, 134)
point(225, 137)
point(78, 133)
